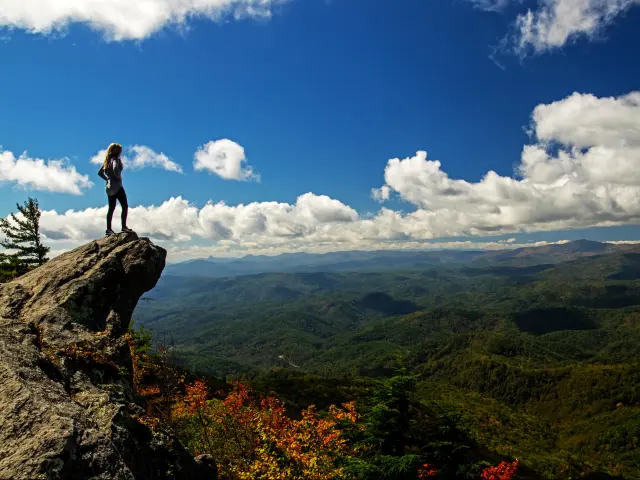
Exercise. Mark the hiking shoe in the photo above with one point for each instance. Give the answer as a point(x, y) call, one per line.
point(126, 230)
point(109, 232)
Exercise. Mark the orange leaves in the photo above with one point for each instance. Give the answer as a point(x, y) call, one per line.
point(149, 421)
point(347, 412)
point(504, 471)
point(305, 448)
point(254, 438)
point(194, 400)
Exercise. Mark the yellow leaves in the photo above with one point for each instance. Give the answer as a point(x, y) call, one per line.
point(194, 401)
point(149, 421)
point(254, 438)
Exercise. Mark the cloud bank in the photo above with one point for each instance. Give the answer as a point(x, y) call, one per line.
point(37, 174)
point(124, 19)
point(579, 170)
point(582, 170)
point(313, 224)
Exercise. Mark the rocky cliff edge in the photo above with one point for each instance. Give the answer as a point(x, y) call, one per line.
point(67, 406)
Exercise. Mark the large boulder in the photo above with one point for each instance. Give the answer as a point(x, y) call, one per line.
point(67, 406)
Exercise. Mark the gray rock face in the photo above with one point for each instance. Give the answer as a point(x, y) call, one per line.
point(67, 407)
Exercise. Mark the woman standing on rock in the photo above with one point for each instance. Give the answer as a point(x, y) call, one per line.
point(111, 172)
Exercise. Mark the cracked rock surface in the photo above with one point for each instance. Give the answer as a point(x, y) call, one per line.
point(73, 416)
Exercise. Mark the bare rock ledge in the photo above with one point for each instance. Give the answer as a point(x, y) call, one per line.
point(65, 417)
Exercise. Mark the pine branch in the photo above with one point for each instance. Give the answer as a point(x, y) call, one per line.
point(22, 224)
point(18, 236)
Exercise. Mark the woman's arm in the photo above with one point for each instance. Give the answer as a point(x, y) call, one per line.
point(117, 168)
point(102, 175)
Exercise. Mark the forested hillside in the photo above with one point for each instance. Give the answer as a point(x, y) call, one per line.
point(537, 358)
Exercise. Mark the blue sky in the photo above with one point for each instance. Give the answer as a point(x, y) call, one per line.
point(320, 96)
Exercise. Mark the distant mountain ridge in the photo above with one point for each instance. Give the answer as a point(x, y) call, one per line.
point(537, 348)
point(390, 259)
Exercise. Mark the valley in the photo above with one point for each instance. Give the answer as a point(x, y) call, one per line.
point(537, 350)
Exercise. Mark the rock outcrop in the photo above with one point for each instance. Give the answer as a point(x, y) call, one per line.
point(67, 406)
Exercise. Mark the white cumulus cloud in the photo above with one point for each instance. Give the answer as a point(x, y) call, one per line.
point(557, 22)
point(585, 120)
point(581, 171)
point(145, 157)
point(140, 156)
point(38, 174)
point(314, 223)
point(124, 19)
point(178, 220)
point(226, 159)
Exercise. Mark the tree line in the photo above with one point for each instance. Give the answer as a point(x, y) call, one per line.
point(22, 242)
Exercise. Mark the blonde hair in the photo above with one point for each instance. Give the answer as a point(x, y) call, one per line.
point(114, 150)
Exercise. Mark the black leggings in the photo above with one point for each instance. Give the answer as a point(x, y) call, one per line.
point(121, 197)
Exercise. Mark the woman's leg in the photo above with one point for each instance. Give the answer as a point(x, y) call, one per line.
point(124, 204)
point(112, 207)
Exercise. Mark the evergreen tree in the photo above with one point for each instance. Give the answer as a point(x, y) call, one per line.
point(22, 234)
point(11, 267)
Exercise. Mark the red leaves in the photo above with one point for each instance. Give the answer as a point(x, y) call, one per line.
point(504, 471)
point(254, 438)
point(427, 471)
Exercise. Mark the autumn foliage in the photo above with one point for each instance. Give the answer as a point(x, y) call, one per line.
point(504, 471)
point(254, 438)
point(158, 384)
point(427, 471)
